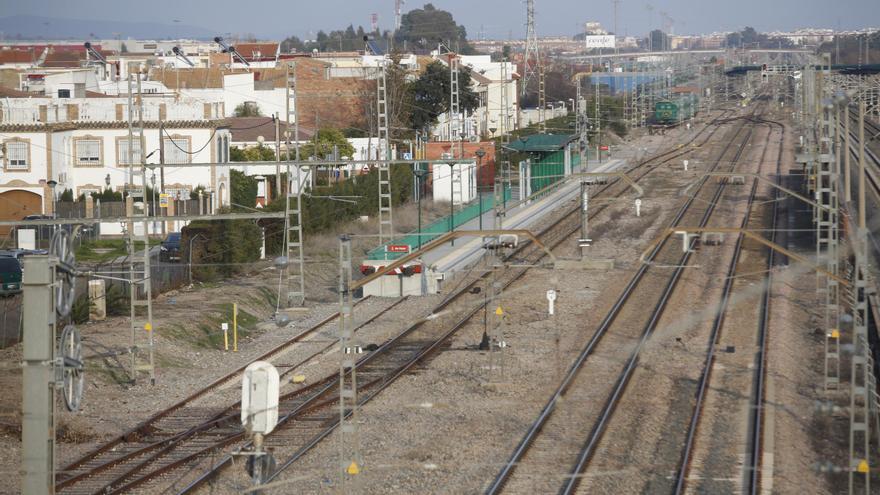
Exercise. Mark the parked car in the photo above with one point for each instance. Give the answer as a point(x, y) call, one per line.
point(10, 276)
point(170, 248)
point(19, 254)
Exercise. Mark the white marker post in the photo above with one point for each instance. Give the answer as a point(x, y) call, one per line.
point(685, 238)
point(638, 207)
point(260, 388)
point(225, 328)
point(685, 165)
point(551, 298)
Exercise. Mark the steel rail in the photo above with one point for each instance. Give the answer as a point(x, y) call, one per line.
point(599, 428)
point(143, 427)
point(757, 404)
point(717, 324)
point(526, 442)
point(386, 381)
point(168, 444)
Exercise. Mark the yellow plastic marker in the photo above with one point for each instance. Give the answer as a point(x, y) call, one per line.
point(353, 468)
point(863, 467)
point(835, 334)
point(299, 378)
point(498, 311)
point(148, 327)
point(234, 327)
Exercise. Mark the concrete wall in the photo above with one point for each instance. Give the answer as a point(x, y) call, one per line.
point(443, 186)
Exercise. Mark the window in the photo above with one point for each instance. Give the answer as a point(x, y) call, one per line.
point(64, 93)
point(88, 151)
point(177, 150)
point(17, 155)
point(122, 149)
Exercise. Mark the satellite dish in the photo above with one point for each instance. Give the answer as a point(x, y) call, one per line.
point(179, 54)
point(94, 53)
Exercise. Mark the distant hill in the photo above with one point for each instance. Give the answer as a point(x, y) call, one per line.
point(28, 27)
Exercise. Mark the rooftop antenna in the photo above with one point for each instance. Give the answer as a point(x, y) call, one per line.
point(182, 56)
point(226, 48)
point(94, 53)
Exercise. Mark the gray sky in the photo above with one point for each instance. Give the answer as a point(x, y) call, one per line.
point(275, 18)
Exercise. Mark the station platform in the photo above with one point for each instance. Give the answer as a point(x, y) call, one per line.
point(442, 262)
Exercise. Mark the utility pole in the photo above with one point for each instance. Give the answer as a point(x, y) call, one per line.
point(277, 155)
point(141, 296)
point(351, 462)
point(505, 104)
point(827, 247)
point(386, 224)
point(860, 393)
point(454, 94)
point(293, 234)
point(48, 286)
point(542, 102)
point(38, 377)
point(584, 241)
point(532, 58)
point(161, 162)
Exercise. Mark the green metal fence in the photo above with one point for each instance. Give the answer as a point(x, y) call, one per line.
point(439, 227)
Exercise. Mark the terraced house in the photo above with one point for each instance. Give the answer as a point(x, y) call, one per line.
point(82, 144)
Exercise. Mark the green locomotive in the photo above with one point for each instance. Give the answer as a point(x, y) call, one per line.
point(675, 110)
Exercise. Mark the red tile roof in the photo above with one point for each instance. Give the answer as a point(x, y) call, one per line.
point(254, 52)
point(19, 56)
point(247, 129)
point(6, 92)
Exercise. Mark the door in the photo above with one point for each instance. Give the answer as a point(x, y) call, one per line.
point(15, 205)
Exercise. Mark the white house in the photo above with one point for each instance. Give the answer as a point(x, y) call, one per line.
point(83, 145)
point(488, 80)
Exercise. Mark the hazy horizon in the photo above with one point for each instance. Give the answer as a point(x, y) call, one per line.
point(492, 18)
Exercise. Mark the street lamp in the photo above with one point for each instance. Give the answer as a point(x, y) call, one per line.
point(420, 175)
point(480, 154)
point(52, 183)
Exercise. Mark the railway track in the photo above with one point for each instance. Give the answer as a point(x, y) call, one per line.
point(539, 452)
point(756, 403)
point(181, 436)
point(175, 422)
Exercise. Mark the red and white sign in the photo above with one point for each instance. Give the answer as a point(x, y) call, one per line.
point(603, 148)
point(397, 248)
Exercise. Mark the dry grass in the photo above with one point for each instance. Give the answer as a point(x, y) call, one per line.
point(73, 429)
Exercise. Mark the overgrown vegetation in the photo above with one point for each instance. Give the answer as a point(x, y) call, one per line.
point(248, 109)
point(854, 49)
point(355, 197)
point(419, 32)
point(207, 332)
point(116, 304)
point(223, 247)
point(103, 250)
